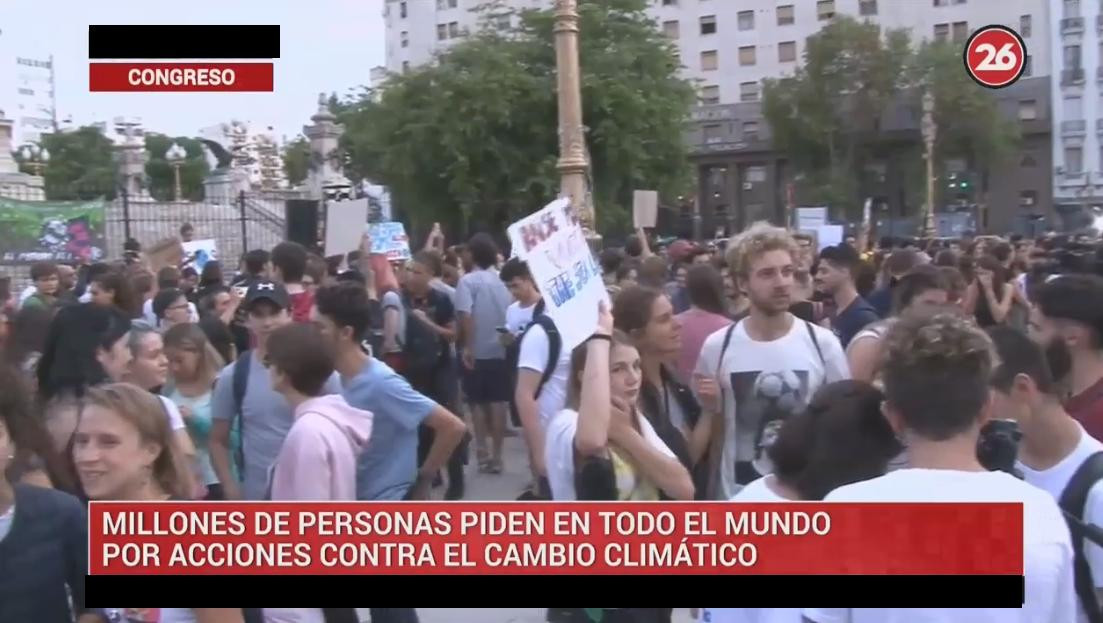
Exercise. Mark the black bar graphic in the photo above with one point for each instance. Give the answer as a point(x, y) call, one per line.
point(183, 41)
point(800, 591)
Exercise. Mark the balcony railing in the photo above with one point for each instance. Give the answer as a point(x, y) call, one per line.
point(1070, 25)
point(1073, 128)
point(1072, 76)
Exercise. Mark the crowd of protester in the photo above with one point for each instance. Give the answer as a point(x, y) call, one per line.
point(754, 369)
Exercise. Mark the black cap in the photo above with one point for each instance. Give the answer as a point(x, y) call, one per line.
point(267, 291)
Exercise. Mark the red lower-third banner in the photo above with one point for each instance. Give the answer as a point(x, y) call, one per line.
point(450, 538)
point(184, 77)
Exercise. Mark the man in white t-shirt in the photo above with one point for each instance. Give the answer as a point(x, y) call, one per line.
point(536, 401)
point(1054, 446)
point(768, 365)
point(936, 375)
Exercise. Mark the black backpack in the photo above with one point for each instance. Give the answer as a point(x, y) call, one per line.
point(240, 382)
point(555, 344)
point(422, 348)
point(1073, 500)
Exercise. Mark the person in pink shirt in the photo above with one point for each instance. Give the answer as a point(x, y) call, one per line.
point(704, 317)
point(318, 458)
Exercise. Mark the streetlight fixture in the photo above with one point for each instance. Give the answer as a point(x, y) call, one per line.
point(176, 157)
point(573, 163)
point(35, 156)
point(929, 130)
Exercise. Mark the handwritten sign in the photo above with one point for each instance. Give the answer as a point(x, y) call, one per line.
point(198, 252)
point(345, 225)
point(645, 208)
point(551, 241)
point(390, 239)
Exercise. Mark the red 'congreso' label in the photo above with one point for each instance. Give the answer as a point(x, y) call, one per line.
point(193, 77)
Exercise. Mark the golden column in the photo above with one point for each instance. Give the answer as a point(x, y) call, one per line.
point(573, 163)
point(929, 131)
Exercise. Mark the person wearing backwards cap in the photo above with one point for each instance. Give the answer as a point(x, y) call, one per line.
point(265, 415)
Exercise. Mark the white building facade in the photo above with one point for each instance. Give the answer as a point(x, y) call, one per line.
point(1076, 32)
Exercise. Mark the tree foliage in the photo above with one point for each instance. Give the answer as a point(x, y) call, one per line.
point(80, 166)
point(828, 117)
point(296, 160)
point(476, 132)
point(159, 172)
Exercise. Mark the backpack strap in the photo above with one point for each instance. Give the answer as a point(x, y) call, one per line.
point(816, 342)
point(240, 387)
point(555, 347)
point(1073, 501)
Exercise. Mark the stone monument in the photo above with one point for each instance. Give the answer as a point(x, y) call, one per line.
point(13, 182)
point(131, 158)
point(326, 177)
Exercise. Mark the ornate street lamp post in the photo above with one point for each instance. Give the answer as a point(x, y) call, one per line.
point(573, 163)
point(929, 130)
point(36, 157)
point(176, 157)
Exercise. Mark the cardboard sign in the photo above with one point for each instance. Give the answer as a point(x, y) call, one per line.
point(198, 252)
point(167, 252)
point(645, 208)
point(554, 246)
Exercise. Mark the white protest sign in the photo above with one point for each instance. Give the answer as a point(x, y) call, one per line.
point(390, 239)
point(345, 225)
point(198, 252)
point(552, 243)
point(645, 208)
point(811, 218)
point(829, 235)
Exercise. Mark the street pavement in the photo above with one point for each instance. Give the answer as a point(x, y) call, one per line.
point(497, 487)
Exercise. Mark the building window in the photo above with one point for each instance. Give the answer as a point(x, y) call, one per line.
point(1072, 57)
point(1072, 8)
point(755, 175)
point(825, 9)
point(402, 10)
point(1025, 25)
point(453, 29)
point(746, 20)
point(710, 95)
point(746, 55)
point(1028, 66)
point(1074, 160)
point(713, 133)
point(405, 66)
point(787, 51)
point(671, 29)
point(709, 60)
point(785, 15)
point(748, 91)
point(961, 31)
point(502, 22)
point(1027, 198)
point(670, 2)
point(708, 25)
point(867, 7)
point(940, 2)
point(405, 39)
point(960, 1)
point(1028, 110)
point(941, 32)
point(26, 91)
point(442, 32)
point(1074, 108)
point(750, 130)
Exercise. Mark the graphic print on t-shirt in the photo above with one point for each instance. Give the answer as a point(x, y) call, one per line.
point(764, 399)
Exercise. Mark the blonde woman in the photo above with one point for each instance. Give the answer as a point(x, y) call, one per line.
point(193, 367)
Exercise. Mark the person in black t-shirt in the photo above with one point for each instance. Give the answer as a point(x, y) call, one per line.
point(835, 275)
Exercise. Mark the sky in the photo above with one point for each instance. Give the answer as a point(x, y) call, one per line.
point(325, 45)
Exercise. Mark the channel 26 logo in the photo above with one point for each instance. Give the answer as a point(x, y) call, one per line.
point(995, 56)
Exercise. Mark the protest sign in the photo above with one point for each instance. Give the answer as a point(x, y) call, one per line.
point(645, 208)
point(551, 241)
point(829, 235)
point(53, 231)
point(345, 226)
point(167, 252)
point(198, 252)
point(390, 240)
point(811, 218)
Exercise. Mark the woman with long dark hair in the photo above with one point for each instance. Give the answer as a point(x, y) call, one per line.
point(991, 294)
point(28, 339)
point(43, 531)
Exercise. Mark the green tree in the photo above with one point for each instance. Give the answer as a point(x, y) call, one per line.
point(476, 132)
point(80, 166)
point(826, 117)
point(296, 160)
point(160, 174)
